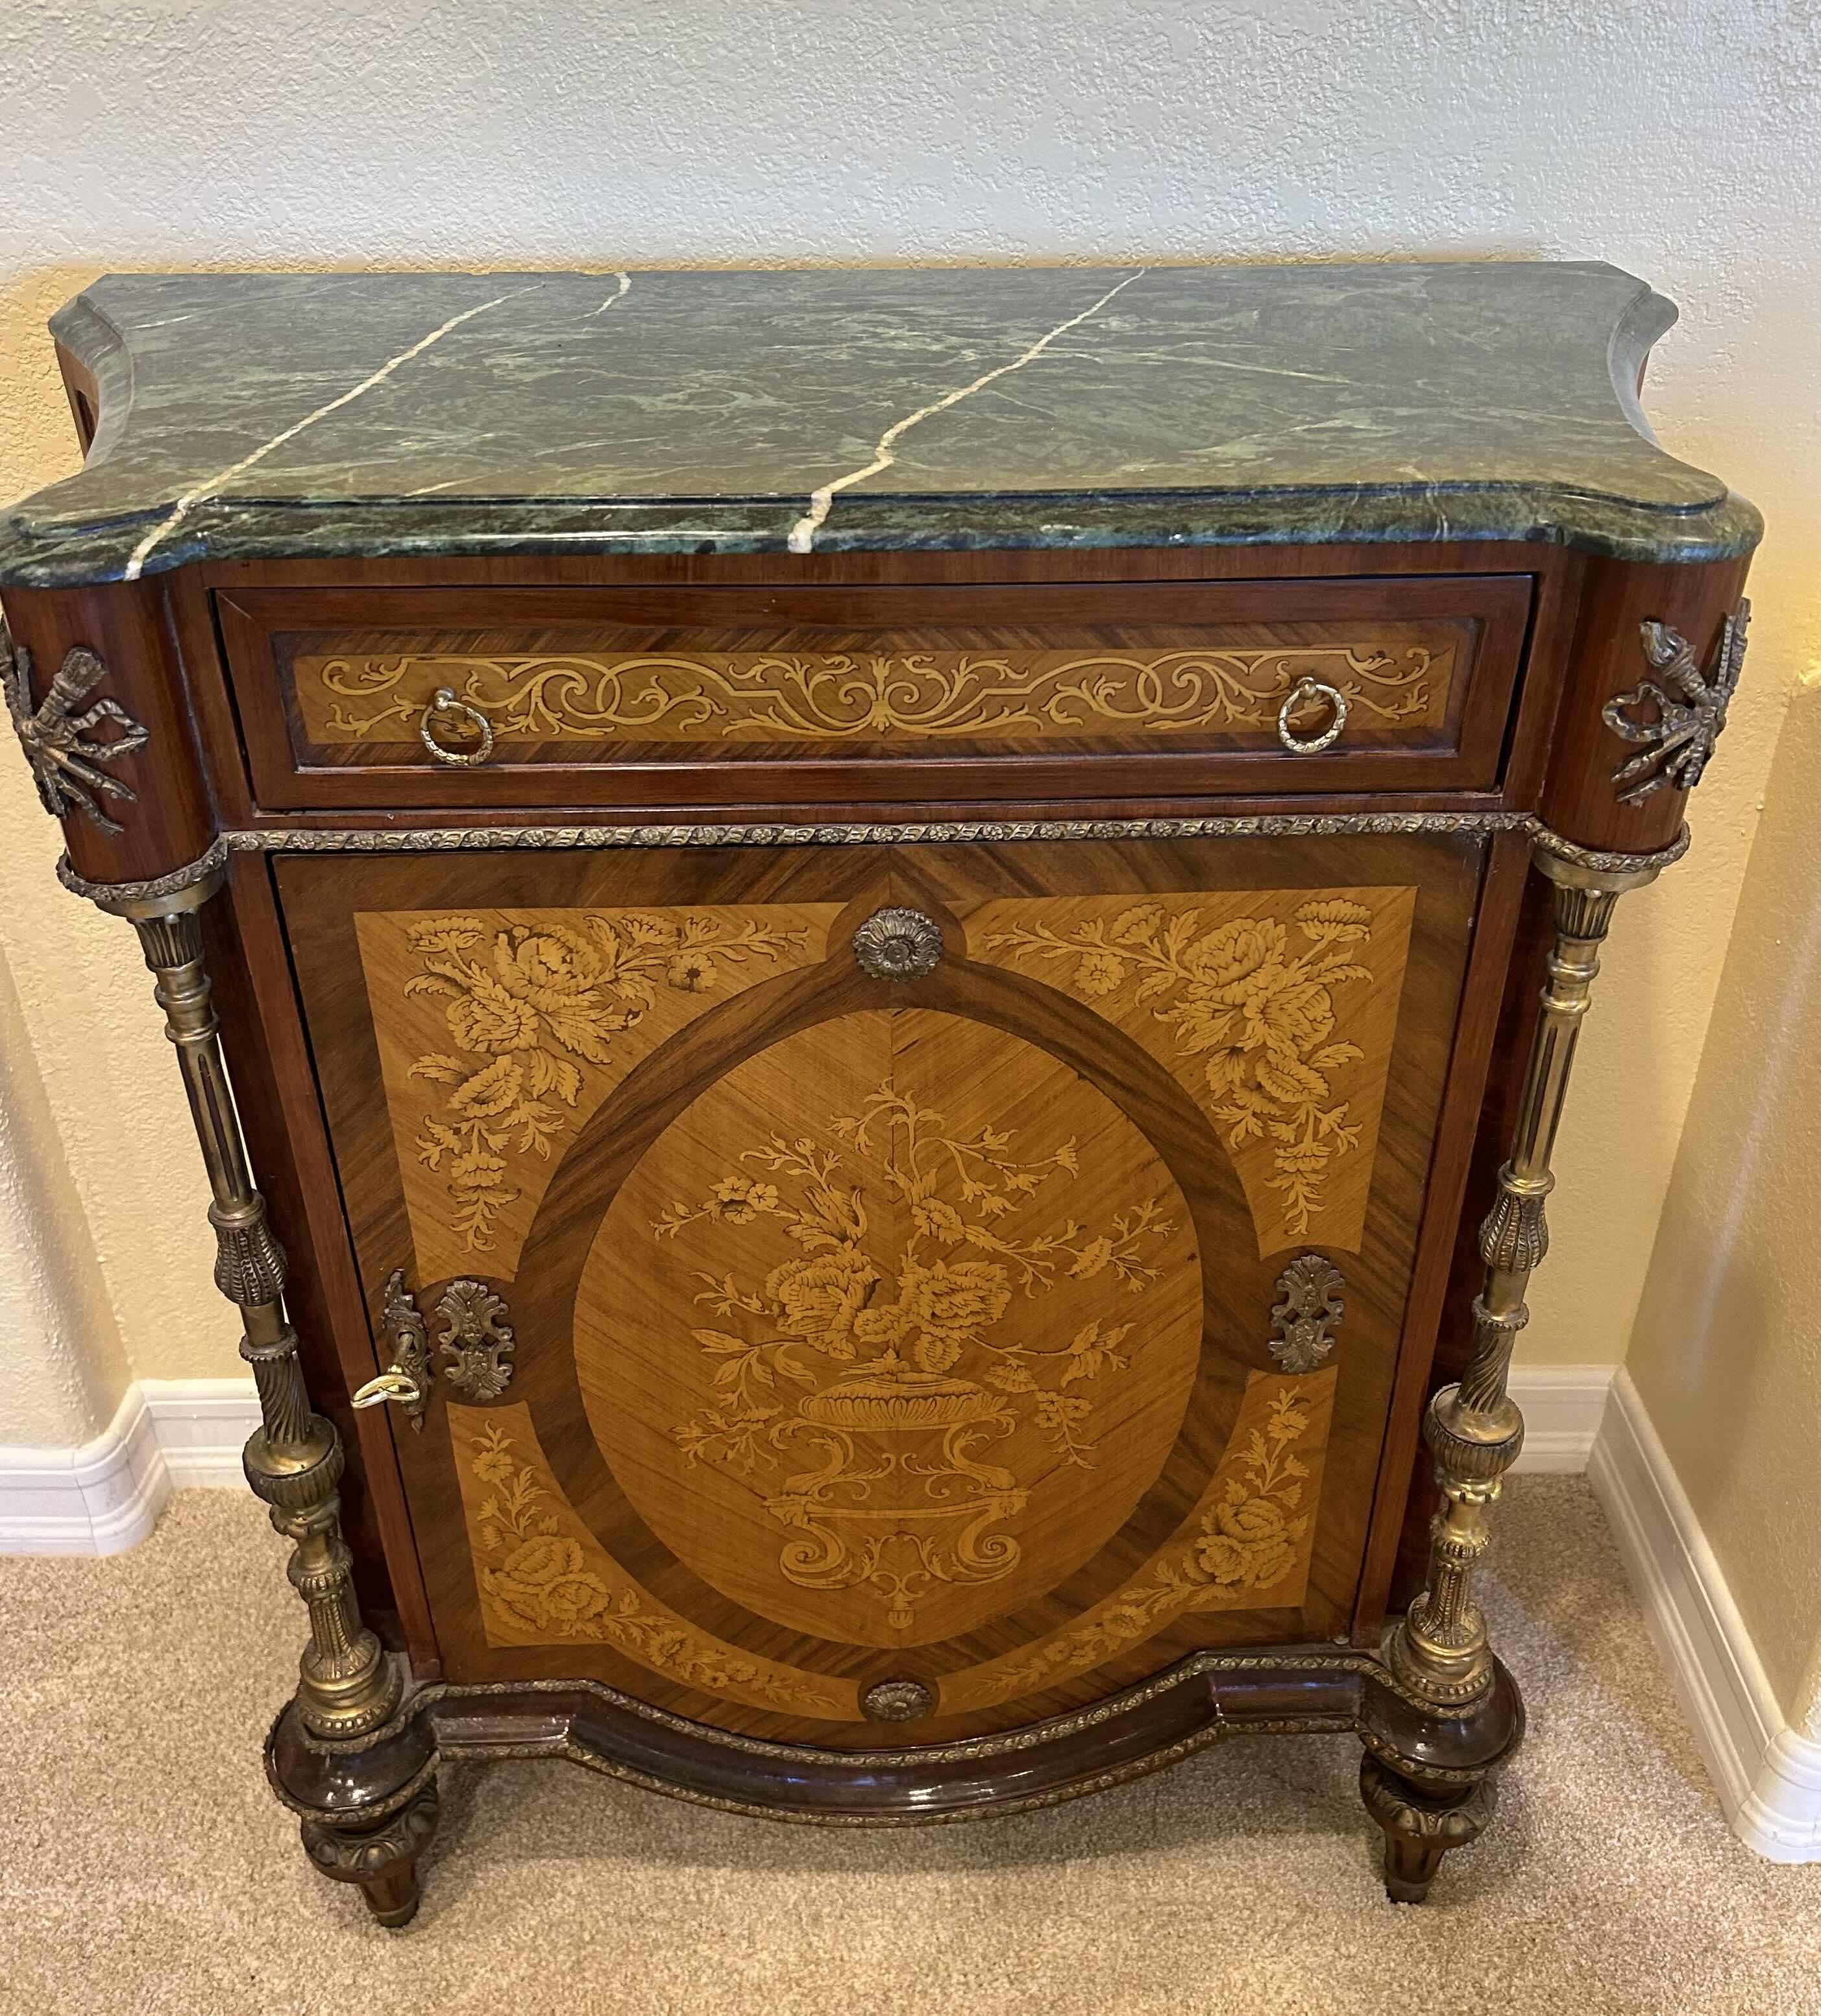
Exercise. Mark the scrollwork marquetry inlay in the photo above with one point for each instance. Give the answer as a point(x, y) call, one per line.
point(852, 695)
point(1311, 1309)
point(1685, 710)
point(70, 767)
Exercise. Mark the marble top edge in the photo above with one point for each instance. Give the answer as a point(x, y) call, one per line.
point(843, 408)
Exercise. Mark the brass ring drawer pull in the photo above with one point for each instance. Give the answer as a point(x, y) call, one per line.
point(444, 703)
point(1302, 693)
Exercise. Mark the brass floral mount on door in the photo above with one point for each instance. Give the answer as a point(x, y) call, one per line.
point(477, 1341)
point(898, 944)
point(863, 1393)
point(529, 1006)
point(69, 766)
point(1311, 1287)
point(1679, 735)
point(1263, 1016)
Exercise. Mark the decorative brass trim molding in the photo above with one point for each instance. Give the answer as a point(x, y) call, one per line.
point(445, 839)
point(1197, 1665)
point(118, 896)
point(1310, 1287)
point(1259, 826)
point(1158, 1760)
point(1689, 708)
point(68, 766)
point(374, 1809)
point(1606, 861)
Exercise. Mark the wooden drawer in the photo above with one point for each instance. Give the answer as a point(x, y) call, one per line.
point(799, 1330)
point(714, 696)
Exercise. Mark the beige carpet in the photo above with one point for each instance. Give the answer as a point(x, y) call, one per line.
point(144, 1867)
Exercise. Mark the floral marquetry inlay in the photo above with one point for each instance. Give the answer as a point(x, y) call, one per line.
point(544, 1579)
point(1245, 1546)
point(500, 1031)
point(931, 1331)
point(1277, 1009)
point(854, 1340)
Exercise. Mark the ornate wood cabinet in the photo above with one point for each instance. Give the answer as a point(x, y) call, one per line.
point(874, 941)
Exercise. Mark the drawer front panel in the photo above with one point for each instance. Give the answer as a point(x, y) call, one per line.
point(1003, 1296)
point(583, 697)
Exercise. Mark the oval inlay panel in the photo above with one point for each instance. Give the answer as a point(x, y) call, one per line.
point(891, 1329)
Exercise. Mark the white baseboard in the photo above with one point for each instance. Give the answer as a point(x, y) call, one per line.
point(173, 1435)
point(166, 1434)
point(1767, 1774)
point(170, 1434)
point(1563, 1407)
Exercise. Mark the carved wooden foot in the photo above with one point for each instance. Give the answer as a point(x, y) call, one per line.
point(1420, 1826)
point(382, 1859)
point(368, 1807)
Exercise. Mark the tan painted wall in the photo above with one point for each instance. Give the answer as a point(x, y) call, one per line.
point(1726, 1356)
point(1683, 141)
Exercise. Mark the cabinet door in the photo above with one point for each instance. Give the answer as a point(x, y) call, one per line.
point(1015, 1327)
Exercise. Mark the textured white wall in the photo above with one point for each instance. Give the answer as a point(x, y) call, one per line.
point(1679, 140)
point(1727, 1356)
point(63, 1364)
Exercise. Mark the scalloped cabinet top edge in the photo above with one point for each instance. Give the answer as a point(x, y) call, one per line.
point(269, 414)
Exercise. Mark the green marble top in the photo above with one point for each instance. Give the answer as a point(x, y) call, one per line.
point(272, 415)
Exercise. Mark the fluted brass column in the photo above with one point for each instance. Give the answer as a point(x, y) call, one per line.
point(294, 1459)
point(1474, 1429)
